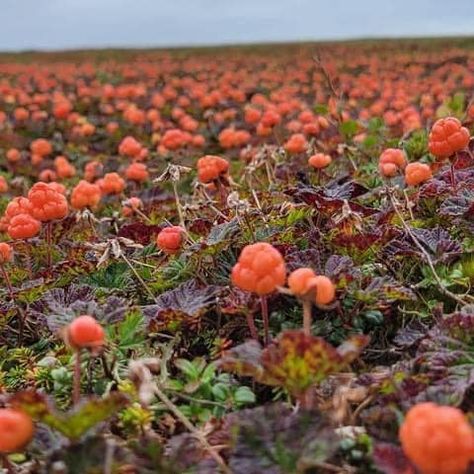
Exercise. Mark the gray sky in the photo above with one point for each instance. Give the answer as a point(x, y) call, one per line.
point(60, 24)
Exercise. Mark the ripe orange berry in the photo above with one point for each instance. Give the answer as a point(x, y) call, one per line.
point(447, 136)
point(170, 239)
point(85, 332)
point(85, 194)
point(390, 161)
point(437, 439)
point(16, 430)
point(92, 170)
point(211, 168)
point(319, 160)
point(296, 144)
point(129, 147)
point(6, 253)
point(260, 269)
point(112, 183)
point(64, 169)
point(13, 155)
point(18, 205)
point(131, 205)
point(325, 290)
point(417, 173)
point(3, 184)
point(47, 203)
point(23, 226)
point(137, 172)
point(41, 147)
point(302, 281)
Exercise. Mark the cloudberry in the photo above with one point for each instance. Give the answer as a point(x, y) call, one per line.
point(112, 183)
point(85, 332)
point(13, 155)
point(23, 226)
point(6, 253)
point(85, 194)
point(302, 281)
point(211, 168)
point(325, 290)
point(130, 147)
point(18, 205)
point(46, 203)
point(16, 430)
point(296, 143)
point(319, 160)
point(41, 147)
point(137, 172)
point(131, 205)
point(390, 161)
point(170, 239)
point(417, 173)
point(437, 439)
point(3, 184)
point(447, 136)
point(260, 269)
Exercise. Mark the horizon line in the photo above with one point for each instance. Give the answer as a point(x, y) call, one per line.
point(206, 45)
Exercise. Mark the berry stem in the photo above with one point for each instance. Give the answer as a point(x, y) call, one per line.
point(49, 245)
point(76, 390)
point(222, 192)
point(7, 465)
point(266, 320)
point(251, 325)
point(7, 281)
point(178, 205)
point(307, 317)
point(451, 174)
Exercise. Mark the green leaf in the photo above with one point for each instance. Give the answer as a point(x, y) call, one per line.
point(75, 423)
point(244, 396)
point(188, 368)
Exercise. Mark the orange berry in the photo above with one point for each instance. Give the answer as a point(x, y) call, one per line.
point(131, 205)
point(437, 439)
point(16, 430)
point(64, 169)
point(112, 184)
point(129, 147)
point(41, 147)
point(319, 160)
point(85, 332)
point(23, 226)
point(85, 194)
point(13, 155)
point(18, 205)
point(211, 168)
point(260, 269)
point(390, 161)
point(3, 184)
point(47, 204)
point(325, 290)
point(137, 172)
point(296, 144)
point(417, 173)
point(302, 281)
point(6, 253)
point(170, 239)
point(447, 136)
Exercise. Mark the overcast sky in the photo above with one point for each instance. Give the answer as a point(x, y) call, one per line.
point(61, 24)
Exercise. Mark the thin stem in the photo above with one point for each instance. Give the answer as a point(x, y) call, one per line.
point(139, 278)
point(307, 317)
point(7, 281)
point(451, 175)
point(266, 320)
point(178, 205)
point(189, 426)
point(441, 287)
point(49, 245)
point(76, 390)
point(222, 192)
point(10, 468)
point(251, 325)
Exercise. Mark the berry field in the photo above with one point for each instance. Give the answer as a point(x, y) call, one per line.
point(249, 260)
